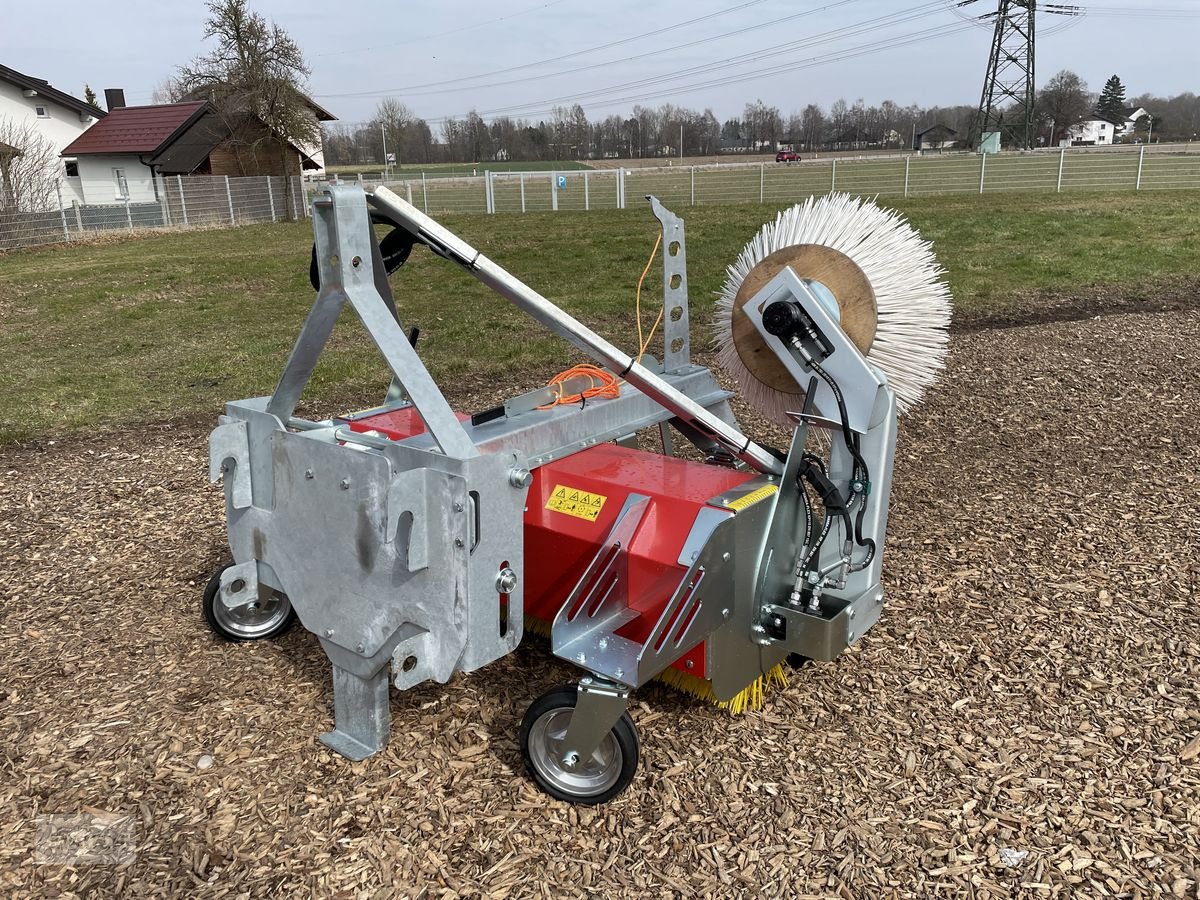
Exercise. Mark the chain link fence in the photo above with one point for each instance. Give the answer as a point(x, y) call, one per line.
point(191, 202)
point(200, 201)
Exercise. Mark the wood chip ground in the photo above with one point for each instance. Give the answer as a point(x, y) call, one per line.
point(1025, 721)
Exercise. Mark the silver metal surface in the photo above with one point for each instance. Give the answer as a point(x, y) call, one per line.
point(856, 377)
point(676, 322)
point(583, 632)
point(361, 714)
point(571, 329)
point(598, 706)
point(562, 430)
point(346, 252)
point(707, 519)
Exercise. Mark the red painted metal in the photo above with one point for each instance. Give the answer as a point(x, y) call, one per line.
point(559, 546)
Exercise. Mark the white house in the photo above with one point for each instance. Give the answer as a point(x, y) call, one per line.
point(125, 156)
point(1096, 130)
point(28, 102)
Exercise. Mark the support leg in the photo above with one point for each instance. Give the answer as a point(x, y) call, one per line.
point(361, 713)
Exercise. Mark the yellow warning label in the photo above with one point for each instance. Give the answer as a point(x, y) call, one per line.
point(751, 498)
point(574, 502)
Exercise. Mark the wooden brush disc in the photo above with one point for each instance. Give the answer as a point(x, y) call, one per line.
point(834, 269)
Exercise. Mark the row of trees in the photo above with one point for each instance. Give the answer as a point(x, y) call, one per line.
point(663, 131)
point(671, 131)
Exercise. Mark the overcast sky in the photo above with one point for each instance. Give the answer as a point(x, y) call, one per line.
point(414, 50)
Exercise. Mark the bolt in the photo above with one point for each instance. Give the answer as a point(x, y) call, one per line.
point(308, 474)
point(506, 581)
point(571, 760)
point(458, 542)
point(619, 673)
point(586, 679)
point(850, 636)
point(345, 484)
point(691, 664)
point(878, 598)
point(328, 632)
point(604, 643)
point(519, 477)
point(724, 557)
point(581, 658)
point(725, 614)
point(758, 629)
point(765, 609)
point(777, 621)
point(224, 468)
point(763, 642)
point(458, 507)
point(850, 613)
point(360, 647)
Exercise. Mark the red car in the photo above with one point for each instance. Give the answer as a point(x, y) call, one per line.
point(787, 156)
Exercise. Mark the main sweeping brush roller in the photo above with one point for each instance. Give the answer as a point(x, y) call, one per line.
point(893, 302)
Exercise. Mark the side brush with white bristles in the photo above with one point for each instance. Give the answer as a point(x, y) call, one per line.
point(912, 300)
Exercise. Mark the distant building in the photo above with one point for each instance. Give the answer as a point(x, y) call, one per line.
point(59, 117)
point(937, 137)
point(1096, 131)
point(120, 156)
point(31, 105)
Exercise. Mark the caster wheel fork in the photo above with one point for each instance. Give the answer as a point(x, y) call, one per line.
point(557, 731)
point(267, 617)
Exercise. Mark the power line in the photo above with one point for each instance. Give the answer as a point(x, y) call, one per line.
point(430, 37)
point(439, 86)
point(847, 31)
point(753, 55)
point(850, 53)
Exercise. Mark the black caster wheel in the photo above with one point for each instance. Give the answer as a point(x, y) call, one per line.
point(796, 661)
point(591, 781)
point(270, 616)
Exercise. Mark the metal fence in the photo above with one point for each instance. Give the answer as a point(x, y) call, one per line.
point(1057, 171)
point(201, 201)
point(192, 202)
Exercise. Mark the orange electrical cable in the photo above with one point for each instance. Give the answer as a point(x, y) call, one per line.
point(642, 345)
point(601, 384)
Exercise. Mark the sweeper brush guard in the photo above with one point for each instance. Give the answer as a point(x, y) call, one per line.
point(416, 541)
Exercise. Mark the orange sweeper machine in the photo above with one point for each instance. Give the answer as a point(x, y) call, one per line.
point(416, 541)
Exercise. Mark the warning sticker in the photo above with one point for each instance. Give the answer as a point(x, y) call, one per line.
point(751, 498)
point(574, 502)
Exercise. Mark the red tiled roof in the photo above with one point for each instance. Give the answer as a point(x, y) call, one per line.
point(134, 129)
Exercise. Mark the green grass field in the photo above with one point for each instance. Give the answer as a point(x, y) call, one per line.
point(169, 326)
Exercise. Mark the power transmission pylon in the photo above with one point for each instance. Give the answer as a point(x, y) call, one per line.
point(1009, 77)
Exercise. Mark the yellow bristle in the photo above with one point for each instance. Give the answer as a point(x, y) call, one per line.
point(753, 696)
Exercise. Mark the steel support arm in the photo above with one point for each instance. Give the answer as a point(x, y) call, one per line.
point(445, 243)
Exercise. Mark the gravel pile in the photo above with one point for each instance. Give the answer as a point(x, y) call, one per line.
point(1024, 721)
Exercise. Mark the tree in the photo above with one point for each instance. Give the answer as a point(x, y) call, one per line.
point(256, 79)
point(1064, 101)
point(1111, 104)
point(813, 122)
point(29, 167)
point(89, 95)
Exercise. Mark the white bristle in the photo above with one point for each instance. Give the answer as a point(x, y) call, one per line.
point(912, 299)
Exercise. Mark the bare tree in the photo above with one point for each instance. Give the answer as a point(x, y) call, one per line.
point(256, 78)
point(29, 168)
point(1064, 100)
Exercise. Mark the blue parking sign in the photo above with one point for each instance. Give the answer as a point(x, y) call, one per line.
point(562, 181)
